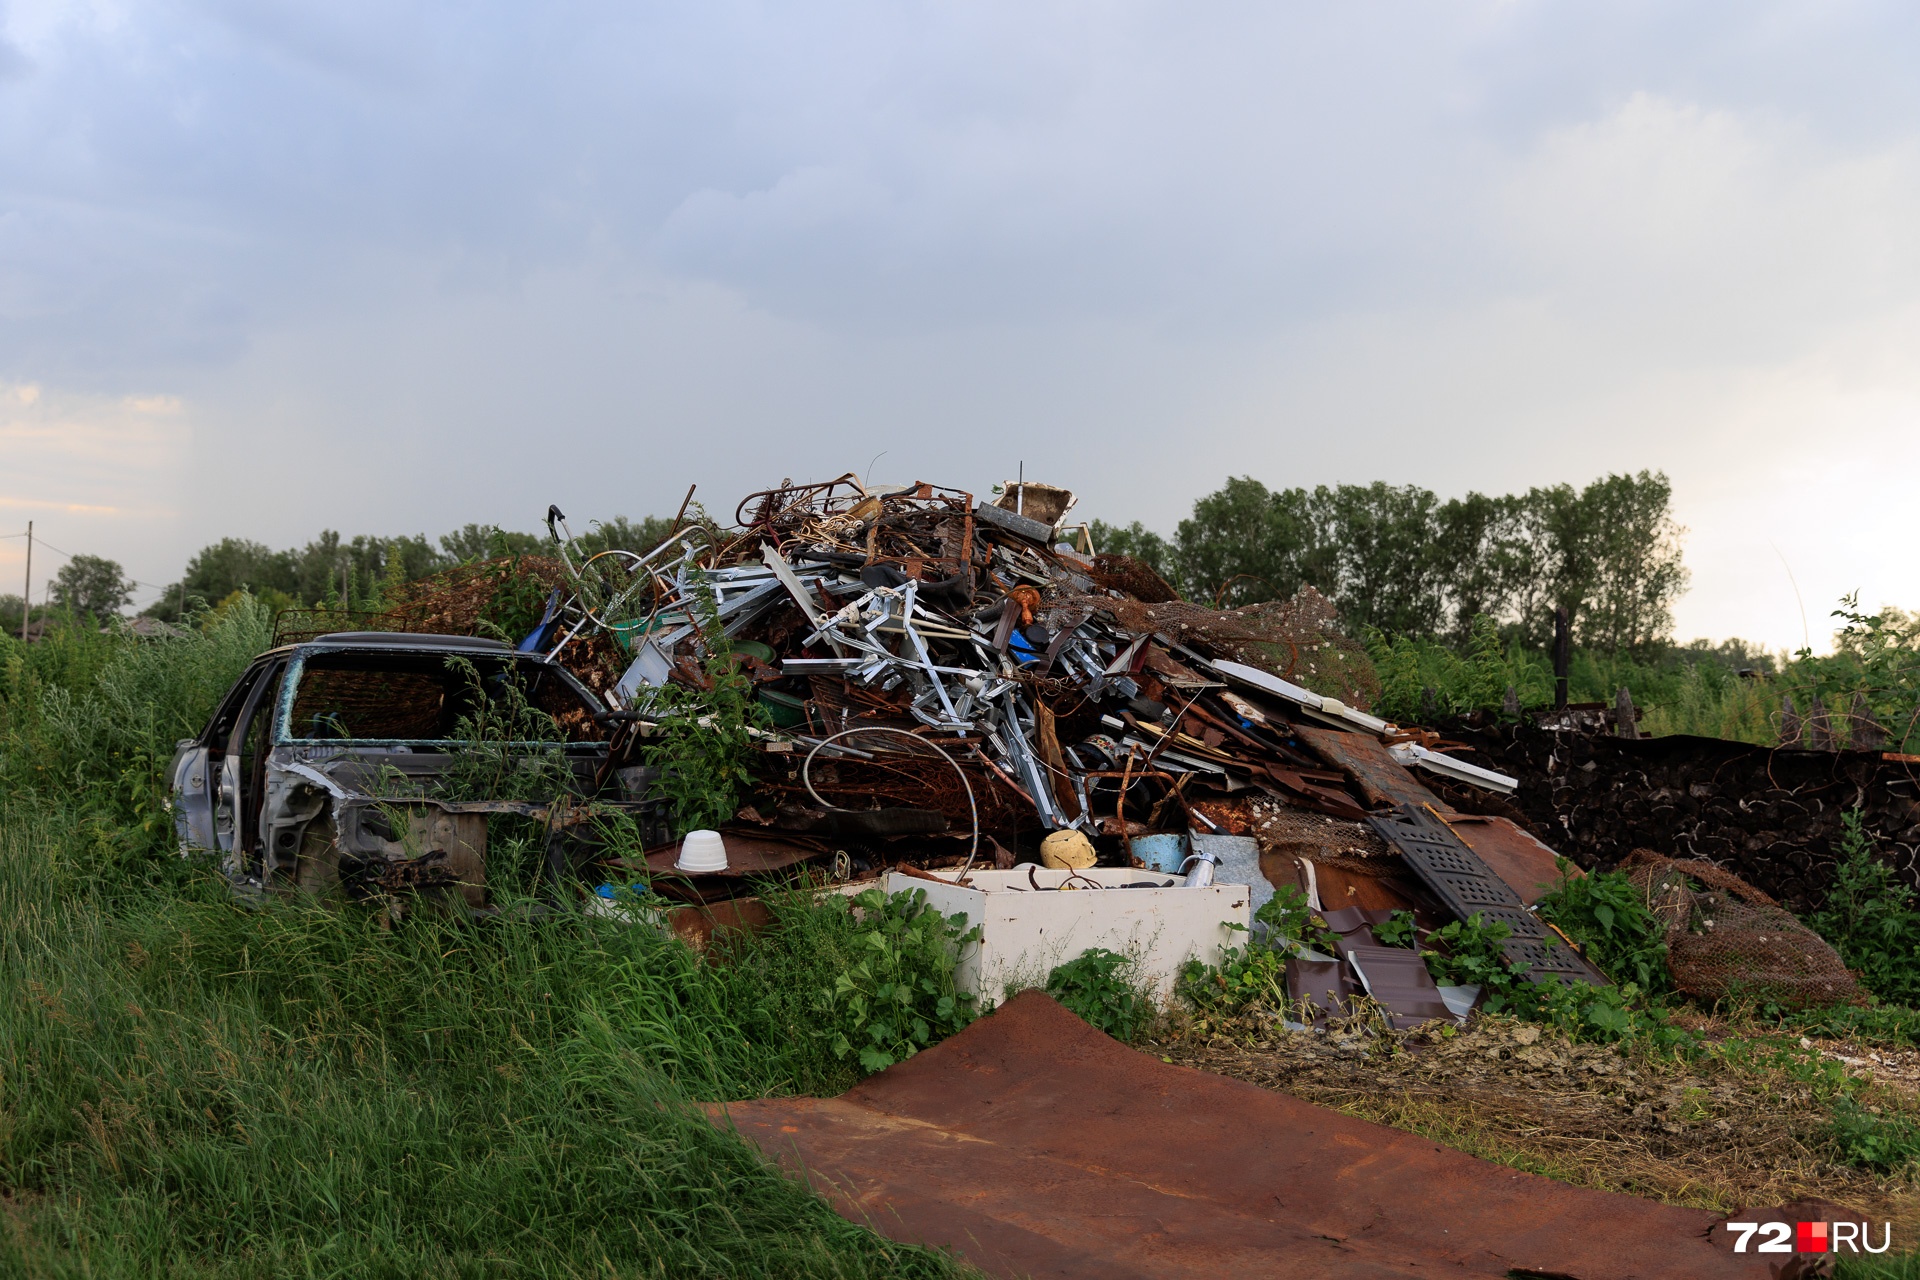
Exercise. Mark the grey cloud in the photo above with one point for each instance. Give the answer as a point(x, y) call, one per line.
point(1143, 244)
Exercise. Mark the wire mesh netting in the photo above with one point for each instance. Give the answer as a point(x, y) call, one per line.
point(1727, 938)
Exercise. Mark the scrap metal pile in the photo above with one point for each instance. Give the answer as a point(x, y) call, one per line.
point(944, 679)
point(934, 664)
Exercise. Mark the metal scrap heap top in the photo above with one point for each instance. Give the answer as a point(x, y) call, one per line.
point(902, 638)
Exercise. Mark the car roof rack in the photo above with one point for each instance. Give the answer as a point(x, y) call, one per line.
point(407, 640)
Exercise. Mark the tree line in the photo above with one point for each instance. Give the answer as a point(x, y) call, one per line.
point(351, 573)
point(1393, 558)
point(1399, 559)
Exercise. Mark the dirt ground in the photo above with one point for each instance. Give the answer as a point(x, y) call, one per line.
point(1741, 1126)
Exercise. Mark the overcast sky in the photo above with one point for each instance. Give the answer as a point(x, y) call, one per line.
point(269, 267)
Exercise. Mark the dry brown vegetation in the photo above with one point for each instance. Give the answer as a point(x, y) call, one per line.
point(1740, 1124)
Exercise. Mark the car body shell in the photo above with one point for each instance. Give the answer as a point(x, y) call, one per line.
point(285, 807)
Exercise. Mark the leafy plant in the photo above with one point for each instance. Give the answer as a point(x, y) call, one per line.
point(1397, 931)
point(1605, 914)
point(1468, 952)
point(1289, 920)
point(1871, 918)
point(1889, 1024)
point(1245, 976)
point(505, 748)
point(1095, 986)
point(704, 740)
point(898, 995)
point(519, 598)
point(1870, 1139)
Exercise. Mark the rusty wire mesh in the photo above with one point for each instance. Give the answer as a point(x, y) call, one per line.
point(1728, 939)
point(1297, 639)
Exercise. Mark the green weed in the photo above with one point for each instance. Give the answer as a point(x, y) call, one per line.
point(1869, 1139)
point(896, 996)
point(1469, 953)
point(1604, 913)
point(195, 1088)
point(704, 742)
point(1246, 976)
point(1398, 930)
point(1871, 918)
point(1096, 986)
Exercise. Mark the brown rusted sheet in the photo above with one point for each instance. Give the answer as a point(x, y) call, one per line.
point(1344, 887)
point(1033, 1145)
point(748, 854)
point(1516, 857)
point(695, 924)
point(1383, 781)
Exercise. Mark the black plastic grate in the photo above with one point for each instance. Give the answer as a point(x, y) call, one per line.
point(1467, 885)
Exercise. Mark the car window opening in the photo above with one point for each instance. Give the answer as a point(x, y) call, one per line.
point(384, 697)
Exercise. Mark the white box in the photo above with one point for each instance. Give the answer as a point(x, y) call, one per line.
point(1025, 933)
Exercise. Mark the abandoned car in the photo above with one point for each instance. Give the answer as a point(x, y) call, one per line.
point(338, 765)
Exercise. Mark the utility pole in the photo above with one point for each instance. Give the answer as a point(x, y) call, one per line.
point(1562, 657)
point(26, 588)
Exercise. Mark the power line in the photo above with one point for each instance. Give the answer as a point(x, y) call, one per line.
point(42, 542)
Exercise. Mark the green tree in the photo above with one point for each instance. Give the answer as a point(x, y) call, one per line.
point(1396, 558)
point(219, 570)
point(1389, 574)
point(621, 534)
point(93, 585)
point(1245, 543)
point(485, 541)
point(1630, 562)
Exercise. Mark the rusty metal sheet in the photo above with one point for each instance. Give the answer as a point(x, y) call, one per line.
point(748, 854)
point(695, 924)
point(1384, 782)
point(1033, 1145)
point(1516, 857)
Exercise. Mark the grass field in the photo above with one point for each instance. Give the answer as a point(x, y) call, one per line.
point(193, 1088)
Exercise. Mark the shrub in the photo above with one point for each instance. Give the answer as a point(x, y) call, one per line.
point(897, 996)
point(1095, 986)
point(1871, 919)
point(1604, 913)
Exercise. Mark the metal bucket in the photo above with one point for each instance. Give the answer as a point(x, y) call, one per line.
point(1162, 852)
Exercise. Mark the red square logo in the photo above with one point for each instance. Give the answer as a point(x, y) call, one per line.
point(1810, 1237)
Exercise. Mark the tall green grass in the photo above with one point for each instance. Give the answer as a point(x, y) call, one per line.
point(189, 1087)
point(1693, 689)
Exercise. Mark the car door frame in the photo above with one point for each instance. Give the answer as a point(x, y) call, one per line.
point(197, 774)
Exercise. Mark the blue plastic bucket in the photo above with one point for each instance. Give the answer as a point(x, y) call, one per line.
point(1162, 852)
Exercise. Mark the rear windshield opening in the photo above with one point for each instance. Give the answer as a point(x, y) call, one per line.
point(430, 697)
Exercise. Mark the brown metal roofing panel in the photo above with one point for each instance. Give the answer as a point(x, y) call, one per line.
point(1032, 1144)
point(1384, 782)
point(1398, 979)
point(1322, 983)
point(1516, 857)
